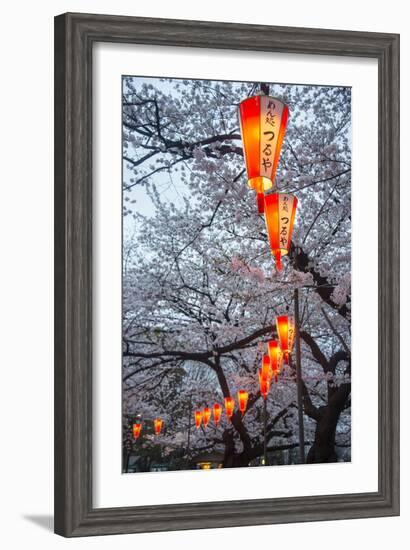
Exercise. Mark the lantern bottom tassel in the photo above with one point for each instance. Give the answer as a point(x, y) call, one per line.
point(260, 201)
point(278, 260)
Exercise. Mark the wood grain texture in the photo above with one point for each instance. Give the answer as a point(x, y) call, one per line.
point(74, 38)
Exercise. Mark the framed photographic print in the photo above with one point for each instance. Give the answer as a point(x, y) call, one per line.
point(226, 274)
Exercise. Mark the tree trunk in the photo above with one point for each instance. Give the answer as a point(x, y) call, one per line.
point(323, 448)
point(126, 461)
point(231, 458)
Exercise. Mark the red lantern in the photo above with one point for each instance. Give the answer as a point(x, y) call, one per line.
point(285, 326)
point(229, 406)
point(280, 210)
point(157, 426)
point(263, 120)
point(266, 367)
point(217, 413)
point(264, 384)
point(275, 355)
point(206, 415)
point(198, 418)
point(136, 429)
point(242, 400)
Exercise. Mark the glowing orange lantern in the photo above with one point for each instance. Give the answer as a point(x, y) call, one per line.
point(264, 384)
point(217, 413)
point(157, 426)
point(280, 210)
point(229, 406)
point(275, 355)
point(266, 367)
point(263, 120)
point(285, 325)
point(198, 418)
point(136, 429)
point(206, 415)
point(242, 400)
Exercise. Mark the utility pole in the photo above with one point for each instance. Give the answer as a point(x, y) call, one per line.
point(189, 430)
point(265, 420)
point(299, 379)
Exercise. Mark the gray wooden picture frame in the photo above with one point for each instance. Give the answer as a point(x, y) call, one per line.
point(75, 35)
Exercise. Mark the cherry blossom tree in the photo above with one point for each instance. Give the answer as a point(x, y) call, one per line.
point(200, 291)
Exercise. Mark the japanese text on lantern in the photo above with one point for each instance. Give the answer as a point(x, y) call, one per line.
point(271, 113)
point(284, 219)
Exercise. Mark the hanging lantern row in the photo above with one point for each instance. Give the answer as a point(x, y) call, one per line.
point(263, 120)
point(203, 416)
point(272, 366)
point(137, 427)
point(278, 353)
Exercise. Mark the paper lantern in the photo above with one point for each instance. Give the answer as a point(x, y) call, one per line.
point(157, 426)
point(198, 418)
point(275, 355)
point(206, 415)
point(242, 400)
point(136, 429)
point(266, 367)
point(264, 383)
point(263, 120)
point(285, 326)
point(229, 406)
point(280, 210)
point(217, 409)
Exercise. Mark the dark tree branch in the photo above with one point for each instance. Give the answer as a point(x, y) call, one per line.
point(301, 262)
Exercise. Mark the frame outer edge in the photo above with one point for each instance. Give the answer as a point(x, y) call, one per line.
point(74, 515)
point(390, 286)
point(62, 506)
point(73, 276)
point(396, 282)
point(389, 273)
